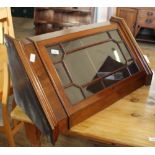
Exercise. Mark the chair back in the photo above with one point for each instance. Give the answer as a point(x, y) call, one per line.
point(5, 94)
point(6, 27)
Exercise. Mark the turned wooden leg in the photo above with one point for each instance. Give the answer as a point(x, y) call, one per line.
point(33, 134)
point(10, 138)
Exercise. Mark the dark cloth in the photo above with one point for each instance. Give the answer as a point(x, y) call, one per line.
point(24, 93)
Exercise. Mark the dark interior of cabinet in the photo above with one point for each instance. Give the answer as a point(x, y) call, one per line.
point(146, 35)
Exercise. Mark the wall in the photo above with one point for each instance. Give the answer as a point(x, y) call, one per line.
point(104, 13)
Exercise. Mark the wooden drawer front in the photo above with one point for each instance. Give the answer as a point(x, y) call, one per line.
point(146, 22)
point(146, 13)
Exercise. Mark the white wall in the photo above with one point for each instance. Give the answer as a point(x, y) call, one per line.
point(104, 13)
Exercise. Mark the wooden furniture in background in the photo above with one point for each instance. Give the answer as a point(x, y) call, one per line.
point(138, 18)
point(3, 58)
point(56, 18)
point(6, 27)
point(128, 122)
point(15, 115)
point(6, 24)
point(40, 56)
point(5, 126)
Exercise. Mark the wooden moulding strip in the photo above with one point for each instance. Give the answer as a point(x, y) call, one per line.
point(38, 89)
point(127, 38)
point(46, 83)
point(72, 33)
point(54, 79)
point(106, 98)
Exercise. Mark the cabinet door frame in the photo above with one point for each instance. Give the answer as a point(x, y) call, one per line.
point(132, 27)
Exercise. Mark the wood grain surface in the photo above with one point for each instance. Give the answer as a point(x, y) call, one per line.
point(3, 58)
point(128, 122)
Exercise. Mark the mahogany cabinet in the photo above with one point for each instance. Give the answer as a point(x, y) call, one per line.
point(57, 18)
point(64, 77)
point(138, 18)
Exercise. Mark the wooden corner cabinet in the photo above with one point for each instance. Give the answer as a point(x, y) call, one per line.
point(139, 18)
point(69, 75)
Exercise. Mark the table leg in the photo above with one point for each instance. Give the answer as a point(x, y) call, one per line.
point(33, 134)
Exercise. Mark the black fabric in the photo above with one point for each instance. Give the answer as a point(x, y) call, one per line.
point(108, 66)
point(24, 93)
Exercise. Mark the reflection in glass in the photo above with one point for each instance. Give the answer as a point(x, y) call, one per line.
point(85, 70)
point(117, 58)
point(125, 51)
point(95, 87)
point(62, 74)
point(115, 35)
point(85, 64)
point(118, 76)
point(72, 45)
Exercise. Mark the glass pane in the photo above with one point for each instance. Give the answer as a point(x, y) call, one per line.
point(132, 67)
point(106, 52)
point(92, 68)
point(125, 51)
point(87, 92)
point(62, 74)
point(74, 94)
point(114, 78)
point(115, 35)
point(80, 67)
point(55, 53)
point(72, 45)
point(85, 64)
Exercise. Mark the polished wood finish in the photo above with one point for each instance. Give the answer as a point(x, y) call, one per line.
point(34, 135)
point(6, 127)
point(6, 27)
point(60, 113)
point(56, 18)
point(3, 58)
point(129, 15)
point(50, 103)
point(128, 122)
point(6, 23)
point(137, 18)
point(17, 115)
